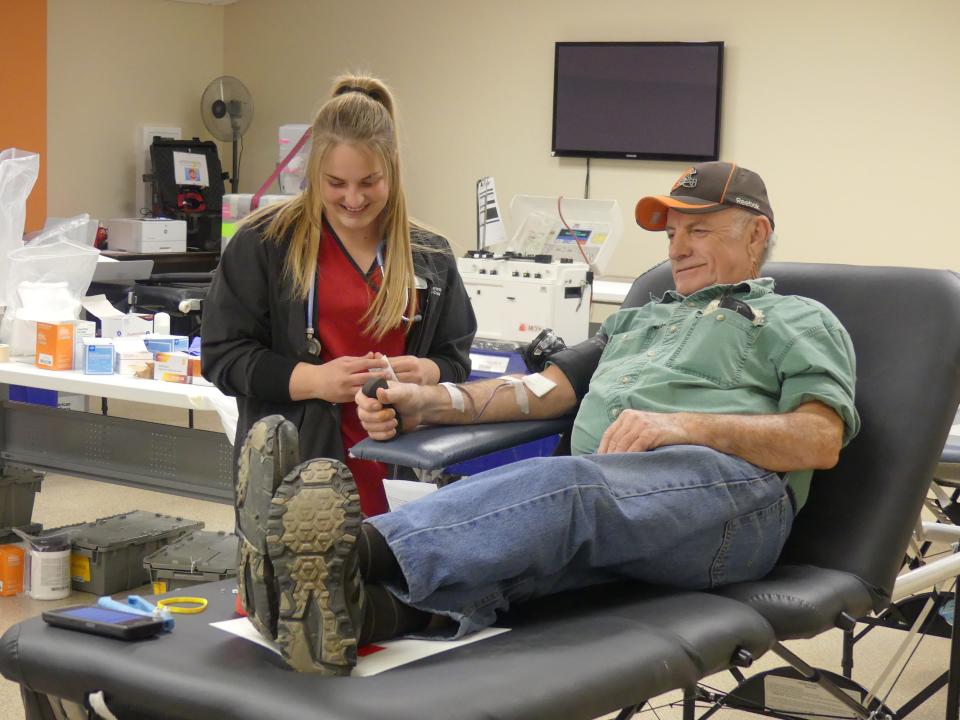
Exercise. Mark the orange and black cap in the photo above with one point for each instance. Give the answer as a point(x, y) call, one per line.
point(704, 188)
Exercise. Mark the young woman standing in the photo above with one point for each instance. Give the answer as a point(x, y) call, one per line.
point(316, 295)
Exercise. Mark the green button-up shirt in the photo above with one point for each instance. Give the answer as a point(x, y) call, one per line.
point(687, 354)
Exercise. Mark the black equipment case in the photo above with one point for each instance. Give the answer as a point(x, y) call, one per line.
point(181, 198)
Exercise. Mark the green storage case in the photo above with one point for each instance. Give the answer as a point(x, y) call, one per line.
point(198, 557)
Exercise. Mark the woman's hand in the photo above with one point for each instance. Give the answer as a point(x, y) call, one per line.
point(336, 381)
point(411, 369)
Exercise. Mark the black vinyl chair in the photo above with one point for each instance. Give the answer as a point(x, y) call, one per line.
point(848, 542)
point(587, 653)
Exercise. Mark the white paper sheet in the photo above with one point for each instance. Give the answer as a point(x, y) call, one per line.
point(190, 169)
point(374, 659)
point(489, 221)
point(99, 306)
point(400, 492)
point(129, 344)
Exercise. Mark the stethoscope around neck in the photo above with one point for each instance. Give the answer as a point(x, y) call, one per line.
point(313, 341)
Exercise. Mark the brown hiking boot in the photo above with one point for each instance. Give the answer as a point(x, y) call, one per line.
point(270, 451)
point(312, 532)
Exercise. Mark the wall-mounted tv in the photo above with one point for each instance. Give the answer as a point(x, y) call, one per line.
point(644, 100)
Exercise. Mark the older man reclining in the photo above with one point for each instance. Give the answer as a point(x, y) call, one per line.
point(702, 416)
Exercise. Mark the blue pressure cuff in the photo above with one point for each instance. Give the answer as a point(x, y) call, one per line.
point(270, 376)
point(580, 361)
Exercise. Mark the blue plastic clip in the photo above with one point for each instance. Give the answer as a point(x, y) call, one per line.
point(138, 606)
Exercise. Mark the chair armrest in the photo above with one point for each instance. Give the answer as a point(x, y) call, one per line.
point(434, 448)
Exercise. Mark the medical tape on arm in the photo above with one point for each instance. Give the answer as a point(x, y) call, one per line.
point(519, 392)
point(538, 384)
point(456, 395)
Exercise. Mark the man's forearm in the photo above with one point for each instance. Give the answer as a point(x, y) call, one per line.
point(495, 400)
point(807, 438)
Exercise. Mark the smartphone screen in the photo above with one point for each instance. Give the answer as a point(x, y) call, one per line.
point(102, 621)
point(99, 614)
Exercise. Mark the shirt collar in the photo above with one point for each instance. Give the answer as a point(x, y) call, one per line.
point(746, 290)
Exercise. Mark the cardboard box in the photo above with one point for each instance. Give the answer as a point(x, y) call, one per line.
point(166, 343)
point(125, 325)
point(172, 367)
point(81, 330)
point(195, 377)
point(98, 356)
point(55, 346)
point(47, 398)
point(72, 401)
point(131, 357)
point(175, 362)
point(114, 323)
point(133, 364)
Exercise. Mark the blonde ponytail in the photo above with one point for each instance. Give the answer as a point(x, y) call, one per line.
point(360, 112)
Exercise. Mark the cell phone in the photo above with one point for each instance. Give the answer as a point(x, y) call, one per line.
point(101, 621)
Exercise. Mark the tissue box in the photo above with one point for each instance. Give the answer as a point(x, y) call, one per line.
point(97, 356)
point(54, 346)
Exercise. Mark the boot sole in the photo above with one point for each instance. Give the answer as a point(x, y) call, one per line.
point(312, 532)
point(270, 451)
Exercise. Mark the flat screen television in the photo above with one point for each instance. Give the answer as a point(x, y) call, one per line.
point(644, 100)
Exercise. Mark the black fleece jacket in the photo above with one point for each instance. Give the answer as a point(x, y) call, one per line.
point(254, 334)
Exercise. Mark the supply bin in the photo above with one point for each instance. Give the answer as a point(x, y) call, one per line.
point(198, 557)
point(19, 486)
point(7, 535)
point(107, 554)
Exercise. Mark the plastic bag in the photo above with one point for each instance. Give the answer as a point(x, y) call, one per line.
point(18, 173)
point(46, 281)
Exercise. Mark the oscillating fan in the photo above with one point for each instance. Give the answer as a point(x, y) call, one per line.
point(227, 110)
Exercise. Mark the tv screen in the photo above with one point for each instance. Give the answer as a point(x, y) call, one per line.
point(645, 100)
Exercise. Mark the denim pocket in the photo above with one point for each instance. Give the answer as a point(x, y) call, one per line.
point(716, 347)
point(751, 544)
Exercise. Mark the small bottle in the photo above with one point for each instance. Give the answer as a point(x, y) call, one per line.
point(11, 569)
point(161, 323)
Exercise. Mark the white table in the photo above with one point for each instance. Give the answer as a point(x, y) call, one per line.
point(114, 387)
point(157, 456)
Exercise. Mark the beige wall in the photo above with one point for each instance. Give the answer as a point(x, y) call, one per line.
point(847, 109)
point(113, 65)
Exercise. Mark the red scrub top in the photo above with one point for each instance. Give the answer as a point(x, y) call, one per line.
point(344, 292)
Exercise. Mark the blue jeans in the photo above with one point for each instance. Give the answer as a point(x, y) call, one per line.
point(684, 516)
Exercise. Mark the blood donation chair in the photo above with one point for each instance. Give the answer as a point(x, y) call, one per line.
point(590, 652)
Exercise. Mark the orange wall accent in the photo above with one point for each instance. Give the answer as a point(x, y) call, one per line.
point(23, 91)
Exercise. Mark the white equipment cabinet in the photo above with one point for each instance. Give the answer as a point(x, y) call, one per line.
point(515, 299)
